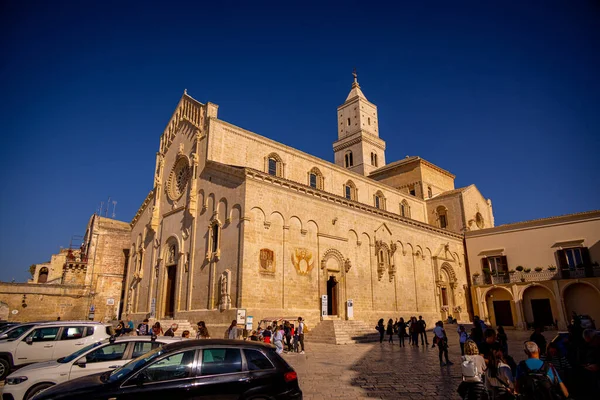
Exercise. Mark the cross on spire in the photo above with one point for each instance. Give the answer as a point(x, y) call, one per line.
point(355, 75)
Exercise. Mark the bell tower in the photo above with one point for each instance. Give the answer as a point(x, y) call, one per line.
point(358, 147)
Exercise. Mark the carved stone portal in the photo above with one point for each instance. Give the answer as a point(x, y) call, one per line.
point(267, 261)
point(303, 261)
point(225, 284)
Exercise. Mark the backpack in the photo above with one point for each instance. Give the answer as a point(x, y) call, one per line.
point(469, 371)
point(535, 384)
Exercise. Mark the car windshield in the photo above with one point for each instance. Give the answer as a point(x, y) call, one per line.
point(17, 331)
point(134, 364)
point(79, 352)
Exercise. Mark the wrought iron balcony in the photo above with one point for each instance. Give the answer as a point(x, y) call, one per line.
point(536, 276)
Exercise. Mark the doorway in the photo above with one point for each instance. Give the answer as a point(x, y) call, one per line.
point(332, 296)
point(542, 312)
point(503, 313)
point(170, 291)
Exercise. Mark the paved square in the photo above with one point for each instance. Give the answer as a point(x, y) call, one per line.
point(385, 371)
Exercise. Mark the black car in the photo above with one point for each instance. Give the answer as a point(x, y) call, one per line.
point(192, 369)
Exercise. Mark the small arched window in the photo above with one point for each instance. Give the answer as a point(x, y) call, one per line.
point(374, 159)
point(429, 192)
point(405, 209)
point(369, 120)
point(349, 122)
point(274, 165)
point(348, 160)
point(442, 213)
point(379, 200)
point(350, 191)
point(43, 275)
point(214, 240)
point(315, 179)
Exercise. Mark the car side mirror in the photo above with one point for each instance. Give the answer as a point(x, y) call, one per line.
point(81, 363)
point(29, 340)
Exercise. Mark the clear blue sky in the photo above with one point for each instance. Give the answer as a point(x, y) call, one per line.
point(504, 96)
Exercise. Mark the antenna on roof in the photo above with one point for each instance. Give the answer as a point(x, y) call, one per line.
point(114, 213)
point(107, 205)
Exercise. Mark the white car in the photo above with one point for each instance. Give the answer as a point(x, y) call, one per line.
point(29, 343)
point(96, 357)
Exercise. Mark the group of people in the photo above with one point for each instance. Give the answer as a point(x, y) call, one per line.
point(563, 368)
point(415, 329)
point(286, 337)
point(144, 329)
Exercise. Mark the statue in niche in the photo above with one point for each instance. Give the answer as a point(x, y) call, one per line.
point(225, 298)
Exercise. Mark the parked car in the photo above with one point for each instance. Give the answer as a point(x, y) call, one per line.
point(191, 369)
point(47, 341)
point(97, 357)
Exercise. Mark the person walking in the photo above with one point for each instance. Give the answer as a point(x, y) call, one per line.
point(539, 339)
point(157, 329)
point(423, 331)
point(473, 369)
point(296, 339)
point(499, 379)
point(287, 330)
point(401, 331)
point(442, 343)
point(267, 334)
point(232, 331)
point(171, 331)
point(502, 338)
point(536, 378)
point(278, 339)
point(462, 338)
point(301, 333)
point(381, 329)
point(415, 331)
point(390, 331)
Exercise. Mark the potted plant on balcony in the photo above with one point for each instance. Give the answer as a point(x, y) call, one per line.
point(512, 271)
point(551, 267)
point(486, 271)
point(527, 270)
point(539, 269)
point(476, 274)
point(520, 268)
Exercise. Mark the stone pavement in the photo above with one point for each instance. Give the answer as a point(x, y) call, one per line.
point(383, 371)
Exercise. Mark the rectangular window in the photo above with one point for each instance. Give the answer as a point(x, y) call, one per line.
point(272, 167)
point(257, 360)
point(109, 352)
point(221, 361)
point(574, 257)
point(313, 180)
point(443, 222)
point(348, 192)
point(72, 332)
point(411, 190)
point(176, 366)
point(215, 238)
point(44, 334)
point(497, 265)
point(444, 297)
point(140, 348)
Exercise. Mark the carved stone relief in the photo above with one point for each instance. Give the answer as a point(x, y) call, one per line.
point(225, 284)
point(303, 261)
point(267, 261)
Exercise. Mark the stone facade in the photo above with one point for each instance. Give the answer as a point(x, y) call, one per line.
point(77, 280)
point(537, 271)
point(238, 221)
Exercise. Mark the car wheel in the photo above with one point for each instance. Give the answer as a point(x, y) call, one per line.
point(4, 368)
point(36, 389)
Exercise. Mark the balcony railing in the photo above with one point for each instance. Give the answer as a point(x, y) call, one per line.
point(535, 276)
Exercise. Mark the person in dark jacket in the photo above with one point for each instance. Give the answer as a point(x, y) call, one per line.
point(381, 329)
point(401, 331)
point(390, 331)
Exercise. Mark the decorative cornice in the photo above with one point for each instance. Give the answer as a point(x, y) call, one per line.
point(307, 190)
point(410, 160)
point(145, 203)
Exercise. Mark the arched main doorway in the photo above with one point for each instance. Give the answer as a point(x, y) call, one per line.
point(501, 307)
point(171, 274)
point(539, 308)
point(584, 299)
point(332, 296)
point(332, 265)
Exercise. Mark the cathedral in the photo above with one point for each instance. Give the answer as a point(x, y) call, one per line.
point(237, 221)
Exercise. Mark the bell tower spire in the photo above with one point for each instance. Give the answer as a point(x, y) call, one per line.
point(358, 147)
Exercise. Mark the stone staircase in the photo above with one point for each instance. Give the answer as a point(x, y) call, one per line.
point(342, 332)
point(183, 325)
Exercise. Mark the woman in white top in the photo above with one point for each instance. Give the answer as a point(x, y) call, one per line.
point(473, 370)
point(278, 339)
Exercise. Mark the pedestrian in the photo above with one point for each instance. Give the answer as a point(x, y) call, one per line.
point(559, 362)
point(143, 328)
point(130, 327)
point(462, 338)
point(202, 331)
point(477, 331)
point(423, 331)
point(473, 369)
point(536, 378)
point(489, 344)
point(416, 329)
point(296, 339)
point(287, 330)
point(171, 331)
point(499, 378)
point(401, 331)
point(278, 339)
point(232, 331)
point(381, 329)
point(254, 336)
point(301, 333)
point(502, 340)
point(539, 338)
point(185, 334)
point(267, 334)
point(157, 329)
point(442, 343)
point(390, 331)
